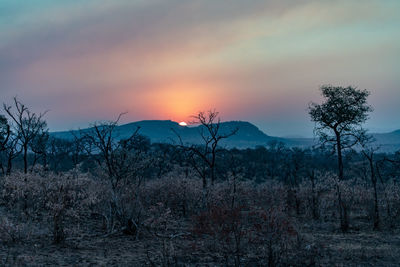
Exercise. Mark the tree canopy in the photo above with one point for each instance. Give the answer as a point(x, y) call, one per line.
point(342, 113)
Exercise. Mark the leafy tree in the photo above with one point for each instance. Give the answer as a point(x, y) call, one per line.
point(339, 119)
point(338, 123)
point(4, 137)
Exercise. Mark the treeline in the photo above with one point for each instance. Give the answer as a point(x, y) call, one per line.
point(25, 143)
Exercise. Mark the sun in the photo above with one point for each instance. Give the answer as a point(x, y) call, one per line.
point(183, 123)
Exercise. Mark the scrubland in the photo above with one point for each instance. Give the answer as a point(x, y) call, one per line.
point(77, 218)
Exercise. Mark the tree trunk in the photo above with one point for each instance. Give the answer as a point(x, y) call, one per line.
point(9, 165)
point(234, 191)
point(35, 158)
point(204, 191)
point(45, 162)
point(58, 227)
point(376, 207)
point(343, 215)
point(314, 197)
point(339, 154)
point(25, 158)
point(2, 169)
point(212, 167)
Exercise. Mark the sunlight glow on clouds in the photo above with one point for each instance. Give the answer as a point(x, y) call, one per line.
point(260, 61)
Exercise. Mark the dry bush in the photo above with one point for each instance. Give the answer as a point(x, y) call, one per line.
point(13, 232)
point(242, 223)
point(253, 228)
point(50, 198)
point(269, 194)
point(357, 195)
point(163, 226)
point(249, 234)
point(390, 203)
point(15, 258)
point(122, 209)
point(180, 194)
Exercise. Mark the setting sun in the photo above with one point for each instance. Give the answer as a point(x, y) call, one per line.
point(183, 123)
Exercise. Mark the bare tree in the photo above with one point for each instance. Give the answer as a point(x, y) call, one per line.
point(211, 135)
point(12, 151)
point(106, 148)
point(338, 124)
point(369, 155)
point(368, 150)
point(27, 125)
point(123, 161)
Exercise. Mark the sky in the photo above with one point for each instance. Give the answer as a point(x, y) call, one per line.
point(260, 61)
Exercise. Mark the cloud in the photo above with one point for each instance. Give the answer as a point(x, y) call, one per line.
point(246, 58)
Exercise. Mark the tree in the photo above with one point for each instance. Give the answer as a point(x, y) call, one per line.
point(39, 146)
point(110, 152)
point(27, 125)
point(339, 124)
point(58, 152)
point(11, 151)
point(124, 161)
point(211, 135)
point(5, 132)
point(339, 119)
point(369, 154)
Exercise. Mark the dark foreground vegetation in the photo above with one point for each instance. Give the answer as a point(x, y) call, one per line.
point(105, 201)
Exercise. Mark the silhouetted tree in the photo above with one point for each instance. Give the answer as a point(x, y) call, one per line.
point(339, 119)
point(27, 125)
point(12, 150)
point(124, 161)
point(106, 148)
point(369, 154)
point(211, 135)
point(5, 132)
point(338, 124)
point(58, 152)
point(39, 147)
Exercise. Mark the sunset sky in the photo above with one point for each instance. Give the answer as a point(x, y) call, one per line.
point(253, 60)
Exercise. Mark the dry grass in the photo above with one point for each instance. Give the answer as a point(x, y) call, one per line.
point(362, 248)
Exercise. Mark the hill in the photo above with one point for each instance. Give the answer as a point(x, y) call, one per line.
point(248, 135)
point(166, 131)
point(388, 142)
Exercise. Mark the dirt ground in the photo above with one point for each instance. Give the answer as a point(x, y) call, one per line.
point(357, 248)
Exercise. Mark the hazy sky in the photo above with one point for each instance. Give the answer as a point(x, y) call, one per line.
point(259, 61)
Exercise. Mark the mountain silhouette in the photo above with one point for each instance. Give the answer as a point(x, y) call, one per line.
point(167, 131)
point(247, 136)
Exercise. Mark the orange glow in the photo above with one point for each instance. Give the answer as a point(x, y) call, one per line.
point(179, 101)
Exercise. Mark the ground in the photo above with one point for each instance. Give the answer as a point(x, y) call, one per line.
point(356, 248)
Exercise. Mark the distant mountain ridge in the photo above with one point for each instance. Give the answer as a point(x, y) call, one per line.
point(388, 142)
point(248, 135)
point(167, 131)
